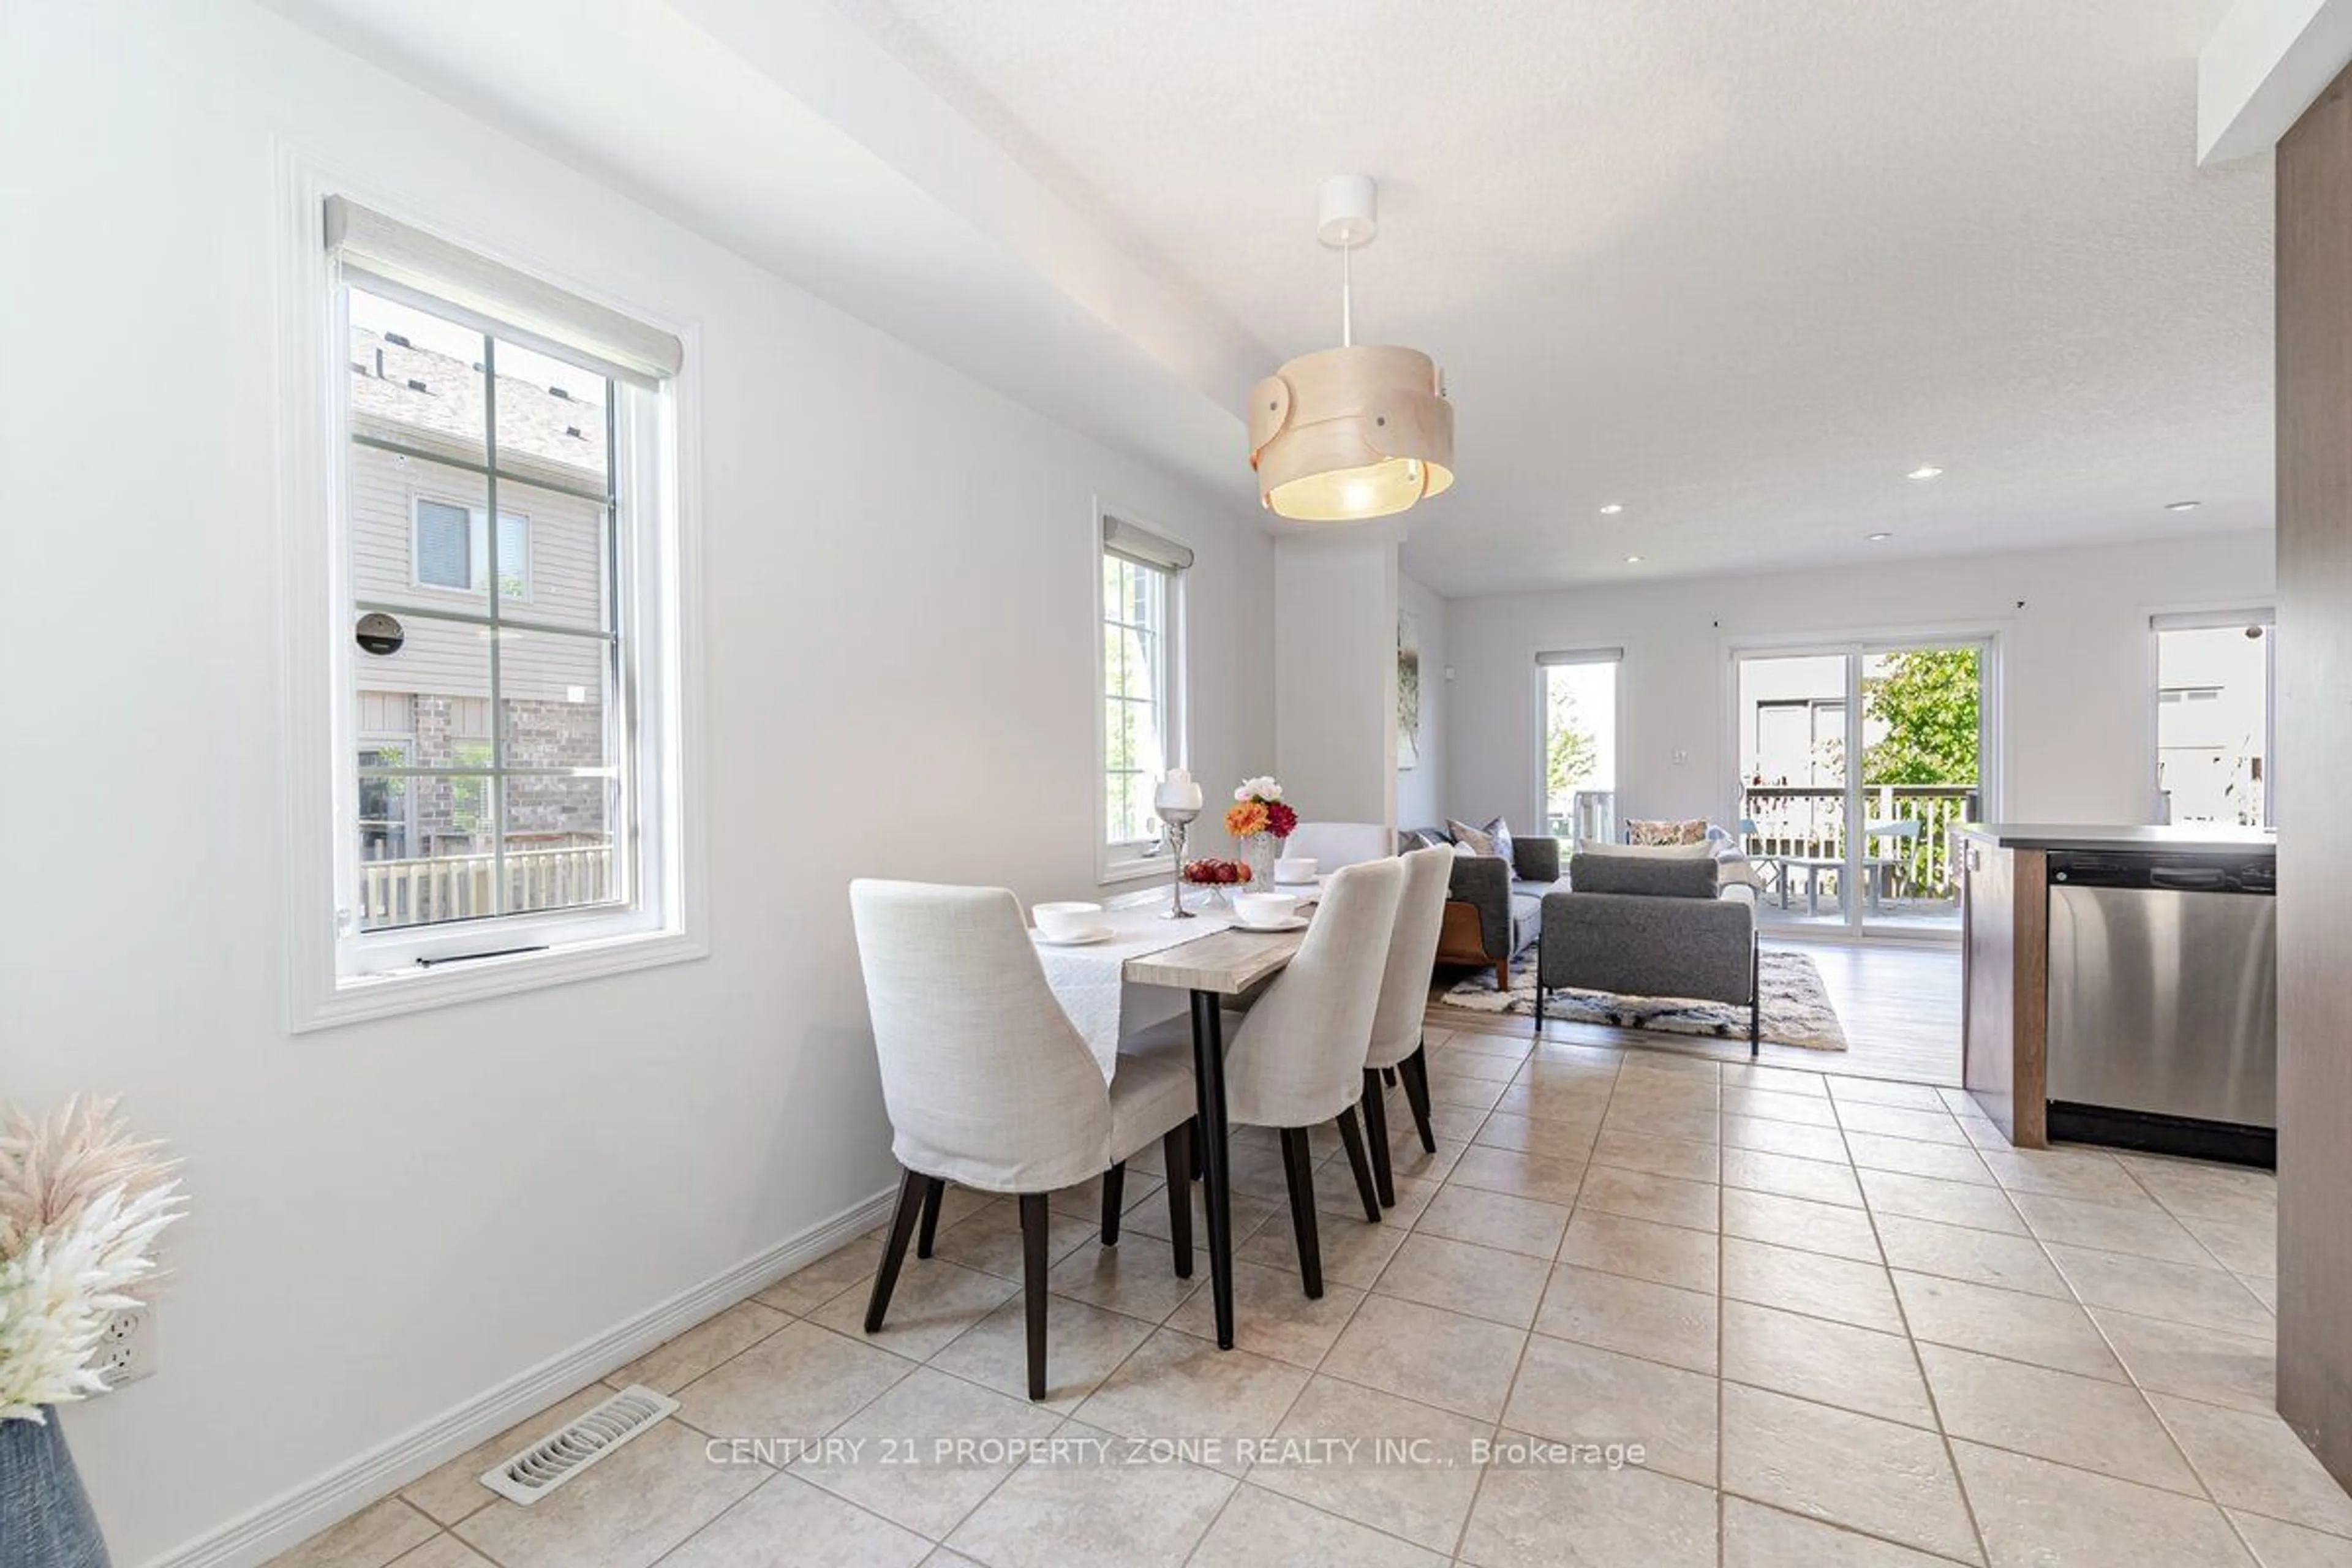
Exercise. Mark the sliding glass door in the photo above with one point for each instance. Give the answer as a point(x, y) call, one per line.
point(1794, 793)
point(1855, 763)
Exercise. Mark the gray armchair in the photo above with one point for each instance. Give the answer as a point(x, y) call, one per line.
point(1642, 925)
point(1494, 910)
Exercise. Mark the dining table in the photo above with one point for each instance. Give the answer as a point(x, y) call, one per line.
point(1149, 968)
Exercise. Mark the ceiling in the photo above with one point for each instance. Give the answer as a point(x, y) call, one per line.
point(1738, 267)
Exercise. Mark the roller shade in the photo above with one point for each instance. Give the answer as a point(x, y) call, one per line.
point(389, 258)
point(2204, 620)
point(1144, 547)
point(1584, 656)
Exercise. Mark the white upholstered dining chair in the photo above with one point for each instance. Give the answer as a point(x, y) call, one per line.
point(989, 1085)
point(1332, 844)
point(1298, 1058)
point(1404, 998)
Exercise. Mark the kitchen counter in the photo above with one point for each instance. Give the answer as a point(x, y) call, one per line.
point(2189, 839)
point(2116, 971)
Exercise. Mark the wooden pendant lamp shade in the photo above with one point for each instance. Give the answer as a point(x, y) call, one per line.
point(1350, 434)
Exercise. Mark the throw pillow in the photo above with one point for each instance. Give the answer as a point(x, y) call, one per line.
point(1499, 833)
point(1495, 838)
point(1652, 851)
point(1693, 831)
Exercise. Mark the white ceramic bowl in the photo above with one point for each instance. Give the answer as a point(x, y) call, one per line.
point(1264, 909)
point(1295, 869)
point(1065, 922)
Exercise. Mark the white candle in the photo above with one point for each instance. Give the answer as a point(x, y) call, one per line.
point(1176, 792)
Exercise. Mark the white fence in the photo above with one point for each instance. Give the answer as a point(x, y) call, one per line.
point(455, 886)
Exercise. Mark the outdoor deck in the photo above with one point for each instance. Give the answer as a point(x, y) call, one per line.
point(1797, 837)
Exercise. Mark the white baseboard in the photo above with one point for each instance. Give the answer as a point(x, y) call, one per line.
point(258, 1536)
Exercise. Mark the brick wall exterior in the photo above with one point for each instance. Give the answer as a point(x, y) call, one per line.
point(453, 815)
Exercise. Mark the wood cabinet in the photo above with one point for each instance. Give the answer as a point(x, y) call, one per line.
point(2004, 1003)
point(2314, 743)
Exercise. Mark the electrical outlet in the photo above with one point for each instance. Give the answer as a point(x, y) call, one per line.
point(126, 1351)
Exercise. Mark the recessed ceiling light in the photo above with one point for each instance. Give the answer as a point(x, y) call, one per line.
point(1924, 472)
point(2182, 505)
point(1881, 537)
point(1612, 509)
point(1633, 561)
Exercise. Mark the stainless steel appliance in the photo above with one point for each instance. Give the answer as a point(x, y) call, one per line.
point(2164, 1001)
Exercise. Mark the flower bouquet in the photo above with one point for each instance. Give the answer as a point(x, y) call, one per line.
point(1261, 823)
point(81, 1205)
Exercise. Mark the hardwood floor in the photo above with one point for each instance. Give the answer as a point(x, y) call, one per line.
point(1900, 1007)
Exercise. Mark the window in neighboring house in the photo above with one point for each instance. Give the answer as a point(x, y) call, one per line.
point(387, 823)
point(453, 549)
point(526, 802)
point(1143, 607)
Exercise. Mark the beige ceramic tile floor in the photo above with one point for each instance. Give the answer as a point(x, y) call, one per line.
point(1848, 1327)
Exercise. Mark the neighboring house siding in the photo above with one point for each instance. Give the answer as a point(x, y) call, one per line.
point(565, 576)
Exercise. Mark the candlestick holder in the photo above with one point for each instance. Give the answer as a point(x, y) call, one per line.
point(1177, 819)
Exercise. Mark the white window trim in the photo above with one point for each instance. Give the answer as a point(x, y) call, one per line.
point(1117, 863)
point(475, 517)
point(319, 757)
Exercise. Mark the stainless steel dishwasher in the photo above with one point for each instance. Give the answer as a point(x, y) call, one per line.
point(2164, 1003)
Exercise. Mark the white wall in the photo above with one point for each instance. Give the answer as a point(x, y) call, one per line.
point(1335, 601)
point(2076, 668)
point(1420, 790)
point(392, 1217)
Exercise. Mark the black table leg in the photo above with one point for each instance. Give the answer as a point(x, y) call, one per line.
point(1216, 1175)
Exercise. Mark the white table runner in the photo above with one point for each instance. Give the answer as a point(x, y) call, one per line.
point(1089, 981)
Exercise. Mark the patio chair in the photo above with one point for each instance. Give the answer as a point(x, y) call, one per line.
point(1880, 868)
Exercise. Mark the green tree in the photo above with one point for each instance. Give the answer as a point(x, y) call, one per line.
point(1929, 700)
point(1570, 752)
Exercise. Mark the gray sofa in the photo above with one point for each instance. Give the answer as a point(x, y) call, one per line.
point(1651, 923)
point(1494, 910)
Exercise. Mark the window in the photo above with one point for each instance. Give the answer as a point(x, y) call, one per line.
point(510, 783)
point(2214, 676)
point(1579, 744)
point(453, 549)
point(1142, 608)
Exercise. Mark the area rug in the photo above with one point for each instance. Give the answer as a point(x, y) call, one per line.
point(1797, 1010)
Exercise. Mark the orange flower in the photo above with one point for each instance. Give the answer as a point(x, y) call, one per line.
point(1247, 819)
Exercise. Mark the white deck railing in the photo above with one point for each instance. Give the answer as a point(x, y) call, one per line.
point(457, 887)
point(1809, 820)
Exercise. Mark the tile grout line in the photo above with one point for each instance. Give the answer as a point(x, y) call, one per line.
point(1934, 1405)
point(1722, 1365)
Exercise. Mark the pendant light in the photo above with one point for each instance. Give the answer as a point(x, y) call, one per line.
point(1358, 431)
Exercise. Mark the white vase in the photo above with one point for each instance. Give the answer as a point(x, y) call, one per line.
point(1259, 852)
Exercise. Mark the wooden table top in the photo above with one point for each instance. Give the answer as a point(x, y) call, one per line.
point(1227, 962)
